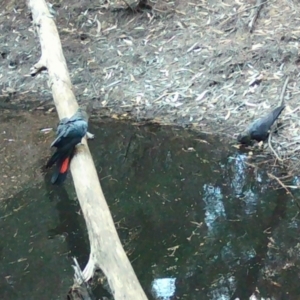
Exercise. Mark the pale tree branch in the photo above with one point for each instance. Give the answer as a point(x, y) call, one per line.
point(106, 250)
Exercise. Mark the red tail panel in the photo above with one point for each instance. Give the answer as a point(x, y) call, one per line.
point(65, 165)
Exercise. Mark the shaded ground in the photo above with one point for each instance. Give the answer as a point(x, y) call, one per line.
point(190, 63)
point(196, 221)
point(23, 149)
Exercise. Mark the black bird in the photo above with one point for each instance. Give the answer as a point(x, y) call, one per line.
point(70, 132)
point(259, 130)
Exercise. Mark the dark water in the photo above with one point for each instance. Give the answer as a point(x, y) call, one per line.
point(196, 221)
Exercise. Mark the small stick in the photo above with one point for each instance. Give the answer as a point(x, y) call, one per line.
point(271, 147)
point(285, 187)
point(283, 90)
point(281, 103)
point(238, 12)
point(259, 5)
point(281, 183)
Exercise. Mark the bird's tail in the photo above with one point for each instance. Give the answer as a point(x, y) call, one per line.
point(62, 157)
point(53, 159)
point(61, 169)
point(276, 113)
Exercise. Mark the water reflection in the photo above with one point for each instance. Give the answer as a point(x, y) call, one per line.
point(199, 224)
point(223, 288)
point(163, 288)
point(214, 208)
point(239, 175)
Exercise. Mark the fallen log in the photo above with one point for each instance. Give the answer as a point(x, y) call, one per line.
point(106, 251)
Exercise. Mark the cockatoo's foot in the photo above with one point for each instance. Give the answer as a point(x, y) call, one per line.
point(90, 136)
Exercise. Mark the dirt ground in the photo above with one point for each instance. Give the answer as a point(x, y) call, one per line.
point(23, 152)
point(192, 63)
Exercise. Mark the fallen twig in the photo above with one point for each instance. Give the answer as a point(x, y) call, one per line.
point(281, 183)
point(271, 147)
point(258, 6)
point(285, 187)
point(281, 99)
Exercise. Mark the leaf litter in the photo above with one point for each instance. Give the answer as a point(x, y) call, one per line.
point(210, 65)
